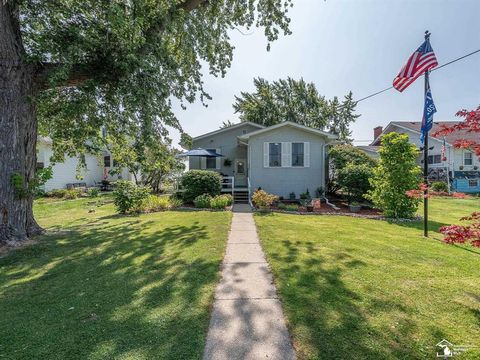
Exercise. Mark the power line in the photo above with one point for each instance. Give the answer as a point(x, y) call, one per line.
point(437, 68)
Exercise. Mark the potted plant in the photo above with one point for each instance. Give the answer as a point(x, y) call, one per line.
point(355, 206)
point(461, 167)
point(475, 167)
point(263, 200)
point(227, 162)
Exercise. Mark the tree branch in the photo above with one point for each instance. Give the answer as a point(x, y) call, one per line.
point(80, 73)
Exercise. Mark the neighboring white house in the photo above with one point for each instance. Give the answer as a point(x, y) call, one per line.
point(280, 159)
point(461, 165)
point(68, 172)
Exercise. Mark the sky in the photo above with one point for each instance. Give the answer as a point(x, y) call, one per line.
point(355, 45)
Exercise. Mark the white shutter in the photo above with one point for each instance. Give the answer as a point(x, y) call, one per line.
point(286, 154)
point(203, 163)
point(266, 154)
point(218, 162)
point(306, 154)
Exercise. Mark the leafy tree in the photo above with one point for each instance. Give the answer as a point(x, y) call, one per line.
point(397, 172)
point(464, 233)
point(296, 101)
point(152, 163)
point(354, 180)
point(341, 156)
point(70, 68)
point(226, 124)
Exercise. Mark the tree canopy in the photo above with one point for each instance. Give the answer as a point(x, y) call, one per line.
point(296, 101)
point(74, 67)
point(119, 64)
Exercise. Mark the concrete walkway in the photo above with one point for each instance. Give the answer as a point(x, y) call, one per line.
point(247, 320)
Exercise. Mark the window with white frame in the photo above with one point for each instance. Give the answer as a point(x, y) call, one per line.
point(298, 154)
point(467, 158)
point(211, 162)
point(275, 154)
point(472, 183)
point(434, 159)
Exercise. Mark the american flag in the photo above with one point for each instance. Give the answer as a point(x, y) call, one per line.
point(422, 59)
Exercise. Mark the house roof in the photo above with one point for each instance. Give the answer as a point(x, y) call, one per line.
point(240, 124)
point(290, 124)
point(416, 126)
point(369, 148)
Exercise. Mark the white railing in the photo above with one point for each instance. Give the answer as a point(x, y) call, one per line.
point(249, 191)
point(228, 184)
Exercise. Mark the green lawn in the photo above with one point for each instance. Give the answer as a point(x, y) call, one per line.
point(102, 286)
point(368, 289)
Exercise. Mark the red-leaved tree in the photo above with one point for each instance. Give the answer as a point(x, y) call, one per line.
point(471, 125)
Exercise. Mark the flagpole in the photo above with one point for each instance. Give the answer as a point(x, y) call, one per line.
point(425, 163)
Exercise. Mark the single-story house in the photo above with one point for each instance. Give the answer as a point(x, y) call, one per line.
point(281, 159)
point(68, 172)
point(460, 167)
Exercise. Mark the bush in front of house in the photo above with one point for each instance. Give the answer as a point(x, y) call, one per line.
point(154, 203)
point(353, 180)
point(221, 201)
point(262, 199)
point(93, 192)
point(440, 186)
point(199, 182)
point(68, 194)
point(202, 201)
point(396, 174)
point(128, 197)
point(342, 155)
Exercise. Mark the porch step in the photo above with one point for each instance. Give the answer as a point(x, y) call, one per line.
point(240, 196)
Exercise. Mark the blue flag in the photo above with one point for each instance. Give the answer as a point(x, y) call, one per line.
point(428, 111)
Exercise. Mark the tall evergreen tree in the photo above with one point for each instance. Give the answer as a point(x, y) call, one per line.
point(296, 101)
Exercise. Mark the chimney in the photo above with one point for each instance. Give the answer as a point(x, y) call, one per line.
point(377, 131)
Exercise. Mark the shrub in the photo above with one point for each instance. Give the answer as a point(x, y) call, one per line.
point(291, 207)
point(129, 197)
point(305, 195)
point(175, 202)
point(281, 206)
point(397, 173)
point(57, 193)
point(263, 199)
point(155, 203)
point(440, 186)
point(202, 201)
point(199, 182)
point(221, 201)
point(342, 155)
point(72, 194)
point(93, 192)
point(353, 180)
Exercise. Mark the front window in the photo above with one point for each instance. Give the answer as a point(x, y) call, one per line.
point(275, 153)
point(297, 154)
point(106, 160)
point(467, 158)
point(434, 159)
point(211, 161)
point(472, 183)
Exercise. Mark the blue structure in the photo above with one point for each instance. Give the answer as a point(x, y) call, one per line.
point(467, 181)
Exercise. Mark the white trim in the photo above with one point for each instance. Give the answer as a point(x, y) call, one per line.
point(463, 157)
point(203, 163)
point(291, 124)
point(226, 129)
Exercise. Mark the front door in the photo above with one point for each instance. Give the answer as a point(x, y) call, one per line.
point(240, 172)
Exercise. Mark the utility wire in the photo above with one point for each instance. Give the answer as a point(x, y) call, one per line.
point(437, 68)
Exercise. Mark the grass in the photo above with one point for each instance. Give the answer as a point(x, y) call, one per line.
point(368, 289)
point(102, 286)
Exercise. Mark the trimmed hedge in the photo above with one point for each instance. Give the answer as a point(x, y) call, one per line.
point(199, 182)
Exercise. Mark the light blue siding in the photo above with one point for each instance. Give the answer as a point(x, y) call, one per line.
point(462, 185)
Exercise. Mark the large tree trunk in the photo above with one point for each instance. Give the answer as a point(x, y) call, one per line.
point(18, 133)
